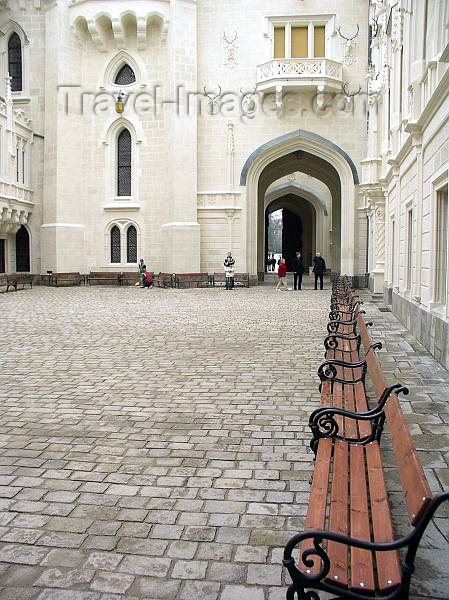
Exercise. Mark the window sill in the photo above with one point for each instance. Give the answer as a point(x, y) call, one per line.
point(122, 203)
point(18, 100)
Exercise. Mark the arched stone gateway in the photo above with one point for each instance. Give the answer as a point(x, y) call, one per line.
point(305, 152)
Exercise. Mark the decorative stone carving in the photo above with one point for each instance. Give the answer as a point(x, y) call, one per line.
point(230, 47)
point(230, 140)
point(397, 28)
point(248, 101)
point(349, 46)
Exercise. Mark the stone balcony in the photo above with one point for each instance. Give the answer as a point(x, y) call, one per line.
point(16, 204)
point(300, 73)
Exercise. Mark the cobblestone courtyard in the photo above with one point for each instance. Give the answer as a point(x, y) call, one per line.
point(153, 443)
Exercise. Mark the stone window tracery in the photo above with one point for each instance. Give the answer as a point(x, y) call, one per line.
point(125, 76)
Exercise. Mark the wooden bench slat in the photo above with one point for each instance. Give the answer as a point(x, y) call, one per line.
point(361, 405)
point(362, 576)
point(349, 404)
point(388, 568)
point(316, 513)
point(413, 479)
point(338, 516)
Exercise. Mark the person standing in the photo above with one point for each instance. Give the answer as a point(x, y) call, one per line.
point(298, 270)
point(319, 267)
point(282, 272)
point(142, 269)
point(229, 263)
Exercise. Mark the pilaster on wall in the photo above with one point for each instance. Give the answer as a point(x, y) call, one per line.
point(375, 203)
point(181, 236)
point(62, 231)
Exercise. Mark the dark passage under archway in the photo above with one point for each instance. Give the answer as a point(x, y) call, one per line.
point(22, 250)
point(298, 229)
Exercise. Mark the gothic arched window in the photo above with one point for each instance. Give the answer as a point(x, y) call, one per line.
point(124, 163)
point(131, 244)
point(115, 245)
point(125, 76)
point(15, 62)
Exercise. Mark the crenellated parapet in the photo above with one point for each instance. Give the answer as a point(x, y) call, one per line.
point(120, 25)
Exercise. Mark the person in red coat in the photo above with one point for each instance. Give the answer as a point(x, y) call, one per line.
point(282, 272)
point(148, 279)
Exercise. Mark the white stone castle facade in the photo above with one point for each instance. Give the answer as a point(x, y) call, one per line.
point(230, 110)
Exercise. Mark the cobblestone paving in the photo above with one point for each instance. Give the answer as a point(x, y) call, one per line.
point(153, 442)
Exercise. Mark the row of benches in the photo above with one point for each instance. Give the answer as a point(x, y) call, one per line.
point(348, 547)
point(176, 280)
point(15, 279)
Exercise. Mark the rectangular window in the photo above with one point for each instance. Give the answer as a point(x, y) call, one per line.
point(441, 258)
point(319, 41)
point(279, 42)
point(300, 42)
point(23, 167)
point(17, 165)
point(305, 40)
point(409, 249)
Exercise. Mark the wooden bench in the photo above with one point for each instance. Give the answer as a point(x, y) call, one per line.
point(348, 547)
point(22, 279)
point(65, 278)
point(104, 277)
point(240, 279)
point(129, 278)
point(13, 280)
point(189, 279)
point(4, 282)
point(164, 280)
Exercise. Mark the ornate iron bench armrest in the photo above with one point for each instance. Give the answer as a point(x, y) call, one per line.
point(332, 326)
point(317, 555)
point(323, 424)
point(336, 313)
point(327, 371)
point(331, 341)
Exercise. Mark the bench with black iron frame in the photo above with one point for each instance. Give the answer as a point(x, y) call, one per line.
point(348, 548)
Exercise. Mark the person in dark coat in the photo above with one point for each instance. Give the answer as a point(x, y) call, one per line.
point(229, 263)
point(319, 267)
point(298, 270)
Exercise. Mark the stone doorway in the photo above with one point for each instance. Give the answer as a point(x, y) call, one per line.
point(22, 250)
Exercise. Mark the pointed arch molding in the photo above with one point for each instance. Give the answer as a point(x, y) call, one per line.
point(302, 191)
point(300, 134)
point(344, 197)
point(11, 26)
point(116, 124)
point(118, 60)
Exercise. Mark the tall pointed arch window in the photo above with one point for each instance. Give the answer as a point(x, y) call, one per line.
point(15, 62)
point(131, 244)
point(115, 245)
point(124, 163)
point(125, 76)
